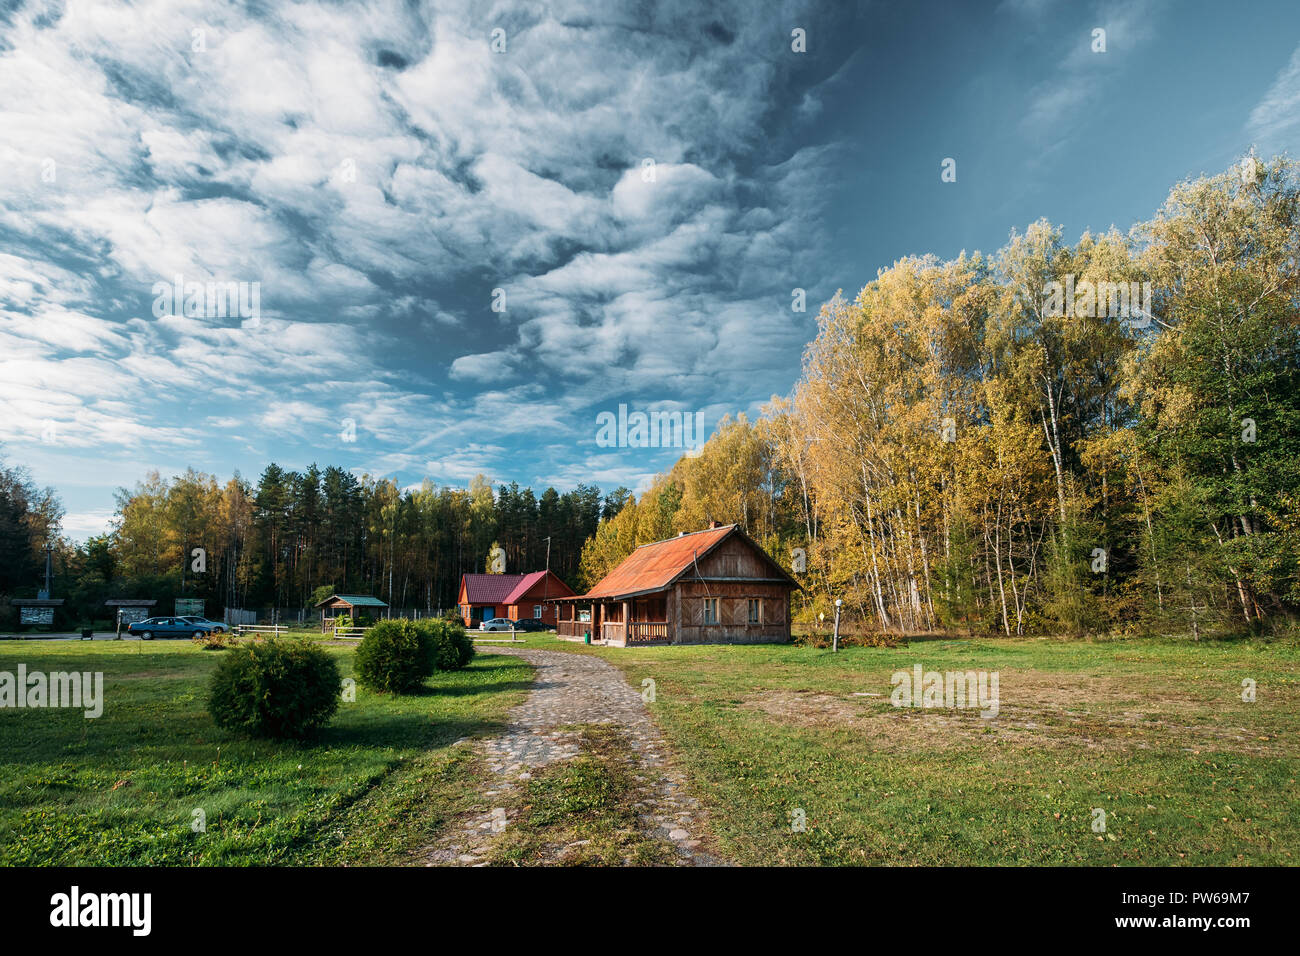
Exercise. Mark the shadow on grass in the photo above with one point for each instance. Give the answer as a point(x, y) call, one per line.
point(468, 690)
point(405, 730)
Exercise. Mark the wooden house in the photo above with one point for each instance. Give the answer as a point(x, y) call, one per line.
point(516, 596)
point(715, 586)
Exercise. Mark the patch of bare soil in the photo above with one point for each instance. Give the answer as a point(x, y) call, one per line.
point(1041, 710)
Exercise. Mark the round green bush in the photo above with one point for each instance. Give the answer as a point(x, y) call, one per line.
point(274, 689)
point(455, 648)
point(395, 656)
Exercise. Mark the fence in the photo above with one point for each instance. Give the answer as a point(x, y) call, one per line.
point(513, 639)
point(260, 630)
point(311, 617)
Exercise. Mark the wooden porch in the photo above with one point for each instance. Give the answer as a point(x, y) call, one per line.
point(634, 621)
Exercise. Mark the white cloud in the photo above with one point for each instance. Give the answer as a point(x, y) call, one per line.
point(1279, 110)
point(377, 206)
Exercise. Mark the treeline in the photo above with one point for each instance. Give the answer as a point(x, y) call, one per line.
point(1077, 438)
point(29, 518)
point(294, 537)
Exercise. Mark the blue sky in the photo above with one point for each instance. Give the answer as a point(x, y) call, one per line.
point(376, 171)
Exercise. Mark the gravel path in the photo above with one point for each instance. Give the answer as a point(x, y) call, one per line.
point(573, 689)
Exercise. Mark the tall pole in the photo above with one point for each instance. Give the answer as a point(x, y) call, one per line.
point(835, 641)
point(546, 581)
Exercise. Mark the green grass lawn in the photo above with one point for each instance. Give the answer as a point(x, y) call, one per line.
point(122, 789)
point(1154, 733)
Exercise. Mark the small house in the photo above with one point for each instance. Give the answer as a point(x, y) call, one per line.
point(715, 586)
point(352, 605)
point(485, 596)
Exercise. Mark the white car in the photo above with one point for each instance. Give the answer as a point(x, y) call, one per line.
point(497, 624)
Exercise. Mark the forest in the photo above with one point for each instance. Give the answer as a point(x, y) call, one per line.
point(1094, 437)
point(291, 539)
point(970, 449)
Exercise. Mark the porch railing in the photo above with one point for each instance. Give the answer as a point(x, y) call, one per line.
point(616, 630)
point(648, 631)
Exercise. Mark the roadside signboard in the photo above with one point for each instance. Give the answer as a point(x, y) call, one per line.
point(37, 616)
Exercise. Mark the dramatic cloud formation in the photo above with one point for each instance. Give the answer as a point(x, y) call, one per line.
point(380, 174)
point(431, 239)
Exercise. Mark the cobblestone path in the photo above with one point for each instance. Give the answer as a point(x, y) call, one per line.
point(571, 689)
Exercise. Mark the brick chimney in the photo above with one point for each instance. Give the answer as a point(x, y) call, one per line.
point(714, 524)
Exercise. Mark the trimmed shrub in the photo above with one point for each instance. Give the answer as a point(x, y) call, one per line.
point(455, 648)
point(395, 656)
point(274, 689)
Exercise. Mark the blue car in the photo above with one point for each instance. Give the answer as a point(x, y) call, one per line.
point(153, 627)
point(216, 626)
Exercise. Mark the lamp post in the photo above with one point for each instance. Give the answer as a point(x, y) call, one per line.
point(835, 641)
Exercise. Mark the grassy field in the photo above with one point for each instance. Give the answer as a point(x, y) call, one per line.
point(122, 789)
point(1154, 733)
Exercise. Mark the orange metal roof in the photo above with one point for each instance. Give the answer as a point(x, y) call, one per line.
point(654, 566)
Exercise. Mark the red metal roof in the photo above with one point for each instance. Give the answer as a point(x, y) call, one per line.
point(508, 588)
point(557, 587)
point(654, 566)
point(491, 588)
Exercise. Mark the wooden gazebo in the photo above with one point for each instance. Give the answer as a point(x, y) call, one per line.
point(349, 604)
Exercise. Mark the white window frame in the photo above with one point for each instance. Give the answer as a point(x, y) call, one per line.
point(711, 604)
point(537, 611)
point(755, 610)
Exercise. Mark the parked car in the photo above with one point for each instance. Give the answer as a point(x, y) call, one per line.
point(497, 624)
point(153, 627)
point(531, 624)
point(216, 626)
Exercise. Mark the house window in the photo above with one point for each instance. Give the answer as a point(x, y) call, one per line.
point(755, 610)
point(537, 612)
point(710, 610)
